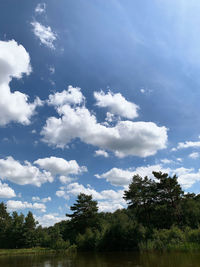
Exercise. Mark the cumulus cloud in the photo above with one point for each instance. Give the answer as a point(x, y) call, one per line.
point(125, 138)
point(194, 155)
point(188, 144)
point(116, 104)
point(19, 205)
point(71, 96)
point(62, 167)
point(187, 177)
point(6, 191)
point(117, 177)
point(22, 174)
point(45, 34)
point(50, 219)
point(14, 62)
point(40, 8)
point(120, 177)
point(102, 153)
point(27, 173)
point(107, 206)
point(108, 200)
point(66, 179)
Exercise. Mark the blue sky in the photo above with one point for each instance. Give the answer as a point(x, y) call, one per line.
point(93, 92)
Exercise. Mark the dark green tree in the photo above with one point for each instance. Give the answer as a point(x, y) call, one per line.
point(5, 223)
point(30, 230)
point(16, 231)
point(156, 203)
point(140, 197)
point(84, 213)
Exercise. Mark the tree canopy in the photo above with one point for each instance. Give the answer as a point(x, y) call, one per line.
point(159, 215)
point(84, 212)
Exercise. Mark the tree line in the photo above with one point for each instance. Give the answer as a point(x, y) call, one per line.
point(159, 215)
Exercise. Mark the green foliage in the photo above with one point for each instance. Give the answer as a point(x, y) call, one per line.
point(17, 230)
point(156, 203)
point(159, 217)
point(164, 239)
point(84, 213)
point(29, 231)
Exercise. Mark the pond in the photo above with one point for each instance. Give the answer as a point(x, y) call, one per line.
point(122, 259)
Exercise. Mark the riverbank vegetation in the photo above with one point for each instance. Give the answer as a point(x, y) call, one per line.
point(159, 216)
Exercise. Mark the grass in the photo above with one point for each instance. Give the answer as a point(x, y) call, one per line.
point(20, 251)
point(37, 251)
point(183, 246)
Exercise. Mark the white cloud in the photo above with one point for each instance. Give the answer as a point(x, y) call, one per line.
point(107, 206)
point(27, 173)
point(50, 219)
point(117, 177)
point(116, 104)
point(120, 177)
point(6, 191)
point(187, 177)
point(108, 200)
point(110, 118)
point(174, 149)
point(45, 34)
point(102, 153)
point(40, 8)
point(76, 188)
point(166, 161)
point(23, 174)
point(46, 199)
point(142, 91)
point(188, 144)
point(38, 199)
point(194, 155)
point(66, 179)
point(60, 193)
point(125, 138)
point(71, 96)
point(19, 205)
point(62, 167)
point(14, 106)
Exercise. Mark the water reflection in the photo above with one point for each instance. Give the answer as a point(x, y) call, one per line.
point(105, 260)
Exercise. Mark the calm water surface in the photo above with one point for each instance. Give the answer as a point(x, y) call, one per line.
point(105, 260)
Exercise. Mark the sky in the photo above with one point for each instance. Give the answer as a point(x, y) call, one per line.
point(92, 93)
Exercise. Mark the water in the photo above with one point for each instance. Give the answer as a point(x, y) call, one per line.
point(105, 260)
